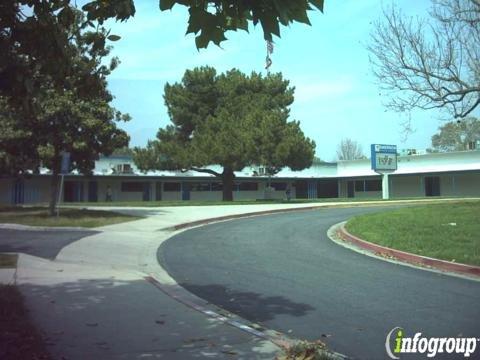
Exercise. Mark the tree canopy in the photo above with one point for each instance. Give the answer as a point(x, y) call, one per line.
point(457, 135)
point(232, 120)
point(430, 63)
point(65, 114)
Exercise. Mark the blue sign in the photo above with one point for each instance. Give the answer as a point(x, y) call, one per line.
point(383, 157)
point(65, 169)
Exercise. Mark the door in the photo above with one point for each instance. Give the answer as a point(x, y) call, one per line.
point(72, 191)
point(18, 193)
point(327, 188)
point(92, 191)
point(185, 191)
point(351, 189)
point(312, 189)
point(432, 186)
point(146, 191)
point(301, 189)
point(158, 191)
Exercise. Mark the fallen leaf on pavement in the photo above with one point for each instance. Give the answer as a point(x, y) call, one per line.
point(229, 352)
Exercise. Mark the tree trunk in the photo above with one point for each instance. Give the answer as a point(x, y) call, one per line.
point(54, 185)
point(227, 180)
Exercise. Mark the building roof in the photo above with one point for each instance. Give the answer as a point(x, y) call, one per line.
point(411, 164)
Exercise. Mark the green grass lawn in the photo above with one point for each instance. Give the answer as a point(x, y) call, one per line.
point(443, 231)
point(237, 202)
point(8, 261)
point(38, 216)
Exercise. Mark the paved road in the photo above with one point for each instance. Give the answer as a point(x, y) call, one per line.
point(44, 243)
point(282, 270)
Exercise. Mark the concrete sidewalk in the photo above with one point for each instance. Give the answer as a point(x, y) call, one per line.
point(93, 301)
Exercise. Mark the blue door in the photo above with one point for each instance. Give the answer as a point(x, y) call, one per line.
point(146, 191)
point(185, 191)
point(92, 191)
point(312, 189)
point(18, 193)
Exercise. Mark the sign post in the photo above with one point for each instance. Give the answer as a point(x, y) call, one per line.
point(63, 170)
point(384, 161)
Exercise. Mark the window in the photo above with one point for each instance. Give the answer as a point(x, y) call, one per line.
point(217, 186)
point(124, 169)
point(279, 186)
point(132, 186)
point(171, 186)
point(248, 186)
point(200, 187)
point(373, 185)
point(368, 185)
point(359, 185)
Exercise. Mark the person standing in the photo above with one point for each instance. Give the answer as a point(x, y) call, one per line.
point(288, 193)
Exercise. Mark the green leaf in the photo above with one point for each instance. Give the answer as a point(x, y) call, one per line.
point(270, 26)
point(113, 37)
point(166, 4)
point(300, 15)
point(201, 41)
point(318, 4)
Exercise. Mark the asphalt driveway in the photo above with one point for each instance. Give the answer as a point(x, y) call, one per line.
point(42, 243)
point(283, 271)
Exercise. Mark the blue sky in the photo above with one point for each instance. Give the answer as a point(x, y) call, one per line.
point(335, 97)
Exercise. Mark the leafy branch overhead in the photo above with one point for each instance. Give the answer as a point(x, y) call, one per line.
point(210, 20)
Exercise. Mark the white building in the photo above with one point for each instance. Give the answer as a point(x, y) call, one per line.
point(436, 174)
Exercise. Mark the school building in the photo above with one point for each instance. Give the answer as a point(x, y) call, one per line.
point(434, 174)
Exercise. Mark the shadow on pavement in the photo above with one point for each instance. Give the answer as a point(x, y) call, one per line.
point(45, 243)
point(250, 305)
point(130, 319)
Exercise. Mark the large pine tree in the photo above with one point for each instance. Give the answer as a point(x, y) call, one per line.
point(232, 120)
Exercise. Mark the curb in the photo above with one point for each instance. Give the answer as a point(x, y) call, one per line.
point(239, 216)
point(306, 208)
point(410, 258)
point(186, 298)
point(181, 295)
point(8, 226)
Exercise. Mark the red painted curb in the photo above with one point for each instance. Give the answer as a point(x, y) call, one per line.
point(243, 215)
point(409, 257)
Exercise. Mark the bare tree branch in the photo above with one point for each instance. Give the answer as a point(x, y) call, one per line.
point(432, 63)
point(349, 149)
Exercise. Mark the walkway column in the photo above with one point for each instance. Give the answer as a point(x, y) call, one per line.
point(385, 187)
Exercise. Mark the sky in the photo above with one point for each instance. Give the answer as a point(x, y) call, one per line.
point(335, 92)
